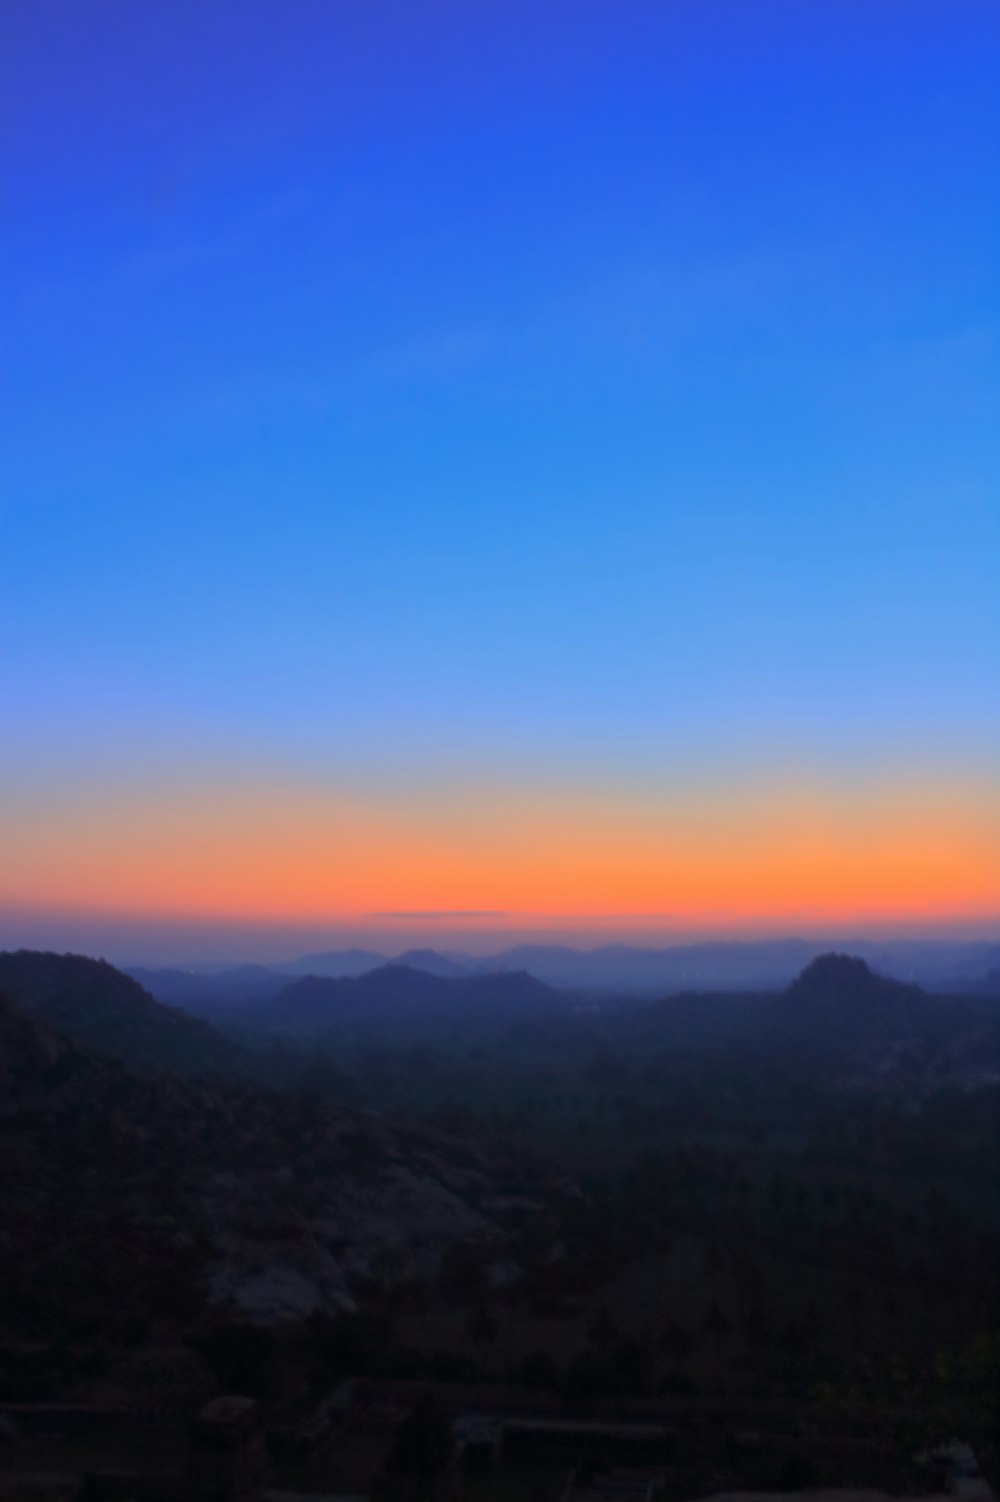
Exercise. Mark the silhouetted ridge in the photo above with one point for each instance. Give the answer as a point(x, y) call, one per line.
point(108, 1011)
point(335, 963)
point(839, 1008)
point(610, 969)
point(844, 977)
point(402, 995)
point(432, 962)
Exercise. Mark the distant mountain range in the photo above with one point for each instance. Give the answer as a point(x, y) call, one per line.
point(335, 962)
point(609, 969)
point(838, 1013)
point(398, 998)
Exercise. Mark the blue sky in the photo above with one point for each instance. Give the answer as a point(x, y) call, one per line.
point(517, 388)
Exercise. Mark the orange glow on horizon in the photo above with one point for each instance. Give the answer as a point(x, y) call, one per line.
point(754, 855)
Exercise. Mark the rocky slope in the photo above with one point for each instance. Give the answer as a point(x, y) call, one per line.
point(104, 1009)
point(131, 1198)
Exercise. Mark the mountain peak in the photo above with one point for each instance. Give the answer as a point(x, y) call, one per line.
point(835, 975)
point(844, 980)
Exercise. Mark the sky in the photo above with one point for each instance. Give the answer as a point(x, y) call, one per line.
point(477, 470)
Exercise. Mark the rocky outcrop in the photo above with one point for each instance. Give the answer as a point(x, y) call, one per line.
point(134, 1196)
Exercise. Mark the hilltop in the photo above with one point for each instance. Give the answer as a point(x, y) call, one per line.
point(106, 1010)
point(840, 1011)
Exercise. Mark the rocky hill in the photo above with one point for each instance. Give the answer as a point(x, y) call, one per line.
point(840, 1012)
point(134, 1198)
point(106, 1010)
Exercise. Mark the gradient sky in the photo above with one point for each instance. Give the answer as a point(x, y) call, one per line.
point(534, 459)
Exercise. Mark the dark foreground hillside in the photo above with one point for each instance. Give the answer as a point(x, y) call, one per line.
point(139, 1203)
point(778, 1199)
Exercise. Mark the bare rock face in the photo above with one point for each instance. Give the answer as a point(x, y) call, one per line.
point(272, 1261)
